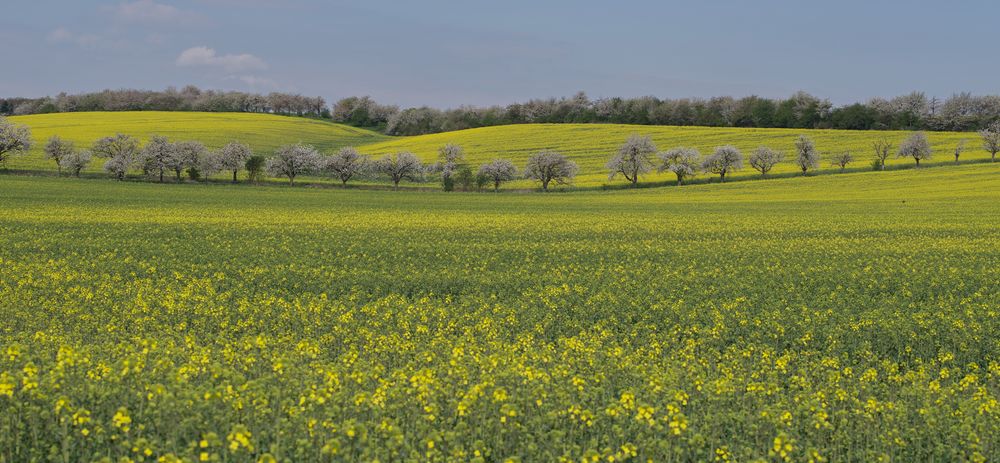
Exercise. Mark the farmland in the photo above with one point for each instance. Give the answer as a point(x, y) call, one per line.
point(833, 318)
point(589, 145)
point(263, 132)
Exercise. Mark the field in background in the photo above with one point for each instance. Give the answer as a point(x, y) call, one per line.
point(835, 318)
point(263, 132)
point(590, 145)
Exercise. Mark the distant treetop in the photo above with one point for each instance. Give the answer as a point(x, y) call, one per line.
point(915, 111)
point(189, 98)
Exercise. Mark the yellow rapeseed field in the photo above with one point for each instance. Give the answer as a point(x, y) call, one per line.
point(834, 318)
point(262, 132)
point(589, 145)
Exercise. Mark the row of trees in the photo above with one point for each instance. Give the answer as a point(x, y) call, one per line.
point(638, 156)
point(908, 112)
point(189, 98)
point(160, 158)
point(292, 161)
point(915, 111)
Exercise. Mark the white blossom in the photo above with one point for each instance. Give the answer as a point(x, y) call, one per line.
point(158, 155)
point(806, 155)
point(75, 162)
point(683, 162)
point(498, 171)
point(763, 159)
point(724, 160)
point(14, 139)
point(915, 146)
point(991, 139)
point(399, 166)
point(345, 164)
point(292, 161)
point(548, 166)
point(633, 158)
point(56, 149)
point(233, 157)
point(121, 152)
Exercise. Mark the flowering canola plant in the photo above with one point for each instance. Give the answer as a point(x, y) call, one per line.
point(839, 318)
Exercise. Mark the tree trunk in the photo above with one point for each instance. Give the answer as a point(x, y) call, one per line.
point(496, 186)
point(178, 172)
point(680, 180)
point(918, 161)
point(343, 182)
point(234, 176)
point(161, 175)
point(545, 185)
point(723, 177)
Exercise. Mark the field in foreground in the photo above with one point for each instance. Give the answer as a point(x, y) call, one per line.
point(589, 145)
point(837, 318)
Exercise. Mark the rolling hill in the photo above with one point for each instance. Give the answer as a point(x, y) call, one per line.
point(263, 132)
point(589, 145)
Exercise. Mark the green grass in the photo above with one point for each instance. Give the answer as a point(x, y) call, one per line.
point(590, 145)
point(850, 317)
point(263, 132)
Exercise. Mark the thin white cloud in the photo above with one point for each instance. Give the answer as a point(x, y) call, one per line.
point(64, 35)
point(148, 11)
point(257, 81)
point(207, 57)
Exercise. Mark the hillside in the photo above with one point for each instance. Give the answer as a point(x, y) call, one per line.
point(263, 132)
point(590, 145)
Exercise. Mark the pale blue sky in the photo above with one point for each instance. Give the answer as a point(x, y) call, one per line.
point(446, 53)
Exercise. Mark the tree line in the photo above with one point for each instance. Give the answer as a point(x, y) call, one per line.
point(914, 111)
point(639, 156)
point(160, 158)
point(189, 98)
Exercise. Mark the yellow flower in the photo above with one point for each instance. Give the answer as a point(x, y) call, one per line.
point(121, 420)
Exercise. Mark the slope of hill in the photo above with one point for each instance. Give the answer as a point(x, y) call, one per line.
point(590, 145)
point(263, 132)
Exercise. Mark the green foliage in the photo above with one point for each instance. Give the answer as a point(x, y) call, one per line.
point(808, 318)
point(255, 168)
point(465, 178)
point(448, 183)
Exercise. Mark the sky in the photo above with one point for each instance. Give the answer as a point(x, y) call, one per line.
point(450, 53)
